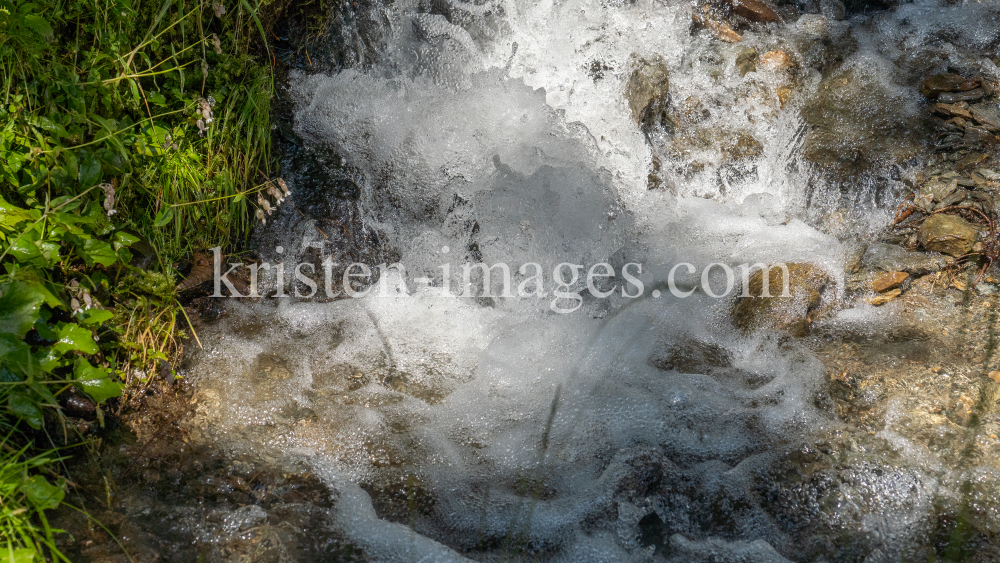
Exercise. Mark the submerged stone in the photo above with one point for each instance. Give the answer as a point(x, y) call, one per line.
point(746, 61)
point(648, 90)
point(889, 257)
point(718, 30)
point(772, 309)
point(776, 60)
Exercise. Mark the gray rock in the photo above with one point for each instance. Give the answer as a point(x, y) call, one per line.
point(940, 188)
point(892, 258)
point(967, 96)
point(956, 197)
point(833, 9)
point(980, 137)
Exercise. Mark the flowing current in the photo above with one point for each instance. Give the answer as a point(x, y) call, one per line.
point(641, 425)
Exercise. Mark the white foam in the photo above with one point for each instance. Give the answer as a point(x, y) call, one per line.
point(459, 138)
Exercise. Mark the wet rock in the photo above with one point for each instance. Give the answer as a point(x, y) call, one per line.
point(856, 121)
point(955, 197)
point(693, 356)
point(77, 404)
point(718, 30)
point(884, 298)
point(746, 61)
point(987, 115)
point(979, 137)
point(953, 110)
point(776, 60)
point(833, 9)
point(967, 96)
point(791, 311)
point(944, 83)
point(742, 147)
point(888, 280)
point(970, 161)
point(947, 234)
point(939, 189)
point(648, 91)
point(754, 10)
point(714, 549)
point(889, 258)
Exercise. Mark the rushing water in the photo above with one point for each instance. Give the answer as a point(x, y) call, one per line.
point(631, 428)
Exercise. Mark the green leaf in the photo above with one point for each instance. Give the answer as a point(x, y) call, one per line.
point(92, 317)
point(164, 217)
point(73, 337)
point(21, 555)
point(124, 239)
point(11, 215)
point(42, 494)
point(97, 382)
point(98, 251)
point(135, 90)
point(19, 307)
point(90, 171)
point(157, 99)
point(24, 408)
point(38, 25)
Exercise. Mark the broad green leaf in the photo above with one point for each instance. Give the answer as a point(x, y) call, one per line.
point(19, 307)
point(164, 217)
point(41, 493)
point(20, 555)
point(98, 251)
point(124, 239)
point(28, 249)
point(90, 171)
point(38, 25)
point(11, 215)
point(157, 99)
point(73, 337)
point(92, 317)
point(25, 408)
point(152, 140)
point(7, 376)
point(96, 381)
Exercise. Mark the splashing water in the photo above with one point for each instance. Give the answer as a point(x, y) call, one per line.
point(634, 427)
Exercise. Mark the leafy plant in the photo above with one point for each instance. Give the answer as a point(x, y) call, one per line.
point(130, 135)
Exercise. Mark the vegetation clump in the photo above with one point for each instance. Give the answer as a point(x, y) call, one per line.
point(131, 134)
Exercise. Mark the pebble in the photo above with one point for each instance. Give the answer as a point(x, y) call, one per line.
point(776, 60)
point(754, 10)
point(883, 298)
point(718, 30)
point(888, 280)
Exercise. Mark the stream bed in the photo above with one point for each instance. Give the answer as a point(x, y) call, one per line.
point(634, 415)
